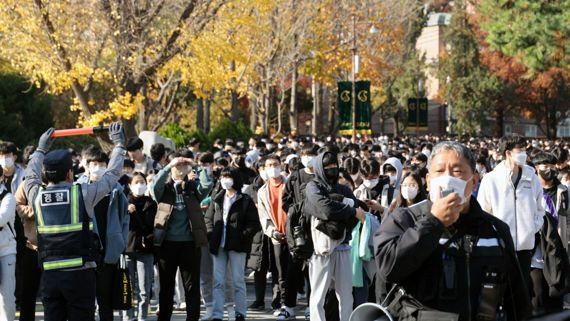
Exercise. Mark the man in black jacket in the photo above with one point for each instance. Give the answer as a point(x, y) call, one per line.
point(451, 257)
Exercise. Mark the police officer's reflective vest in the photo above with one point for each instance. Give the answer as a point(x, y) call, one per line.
point(65, 237)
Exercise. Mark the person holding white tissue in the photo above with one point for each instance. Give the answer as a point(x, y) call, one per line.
point(512, 192)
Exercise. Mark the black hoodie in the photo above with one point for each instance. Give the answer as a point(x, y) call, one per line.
point(320, 204)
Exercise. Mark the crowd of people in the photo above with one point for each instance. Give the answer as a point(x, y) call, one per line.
point(432, 228)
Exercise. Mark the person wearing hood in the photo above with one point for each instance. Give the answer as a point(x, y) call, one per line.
point(332, 205)
point(272, 217)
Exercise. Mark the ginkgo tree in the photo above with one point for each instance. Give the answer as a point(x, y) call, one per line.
point(110, 54)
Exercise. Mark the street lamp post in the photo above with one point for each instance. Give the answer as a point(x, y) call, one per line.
point(353, 79)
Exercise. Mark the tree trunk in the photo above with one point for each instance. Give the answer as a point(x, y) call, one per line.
point(207, 116)
point(234, 112)
point(293, 108)
point(253, 108)
point(316, 100)
point(200, 114)
point(143, 121)
point(499, 122)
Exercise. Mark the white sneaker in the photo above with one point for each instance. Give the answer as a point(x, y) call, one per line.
point(182, 306)
point(286, 314)
point(251, 275)
point(209, 314)
point(231, 313)
point(277, 312)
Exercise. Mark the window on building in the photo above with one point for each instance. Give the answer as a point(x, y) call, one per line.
point(531, 131)
point(563, 131)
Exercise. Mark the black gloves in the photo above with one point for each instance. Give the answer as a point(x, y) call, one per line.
point(46, 140)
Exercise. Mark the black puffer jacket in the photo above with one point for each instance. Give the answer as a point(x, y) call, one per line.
point(320, 203)
point(260, 242)
point(242, 223)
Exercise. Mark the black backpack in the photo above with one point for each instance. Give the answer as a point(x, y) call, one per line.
point(298, 226)
point(556, 265)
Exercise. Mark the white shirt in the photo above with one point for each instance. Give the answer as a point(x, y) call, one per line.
point(228, 202)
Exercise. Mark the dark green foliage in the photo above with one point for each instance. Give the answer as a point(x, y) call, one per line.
point(25, 112)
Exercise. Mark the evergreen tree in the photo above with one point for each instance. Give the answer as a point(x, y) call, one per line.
point(535, 31)
point(467, 87)
point(25, 112)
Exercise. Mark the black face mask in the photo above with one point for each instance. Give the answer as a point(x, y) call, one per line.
point(331, 174)
point(547, 175)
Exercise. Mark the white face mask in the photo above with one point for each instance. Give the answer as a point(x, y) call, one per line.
point(369, 183)
point(263, 175)
point(392, 179)
point(354, 177)
point(446, 182)
point(96, 172)
point(307, 161)
point(138, 189)
point(7, 162)
point(409, 193)
point(520, 158)
point(227, 183)
point(273, 172)
point(480, 169)
point(353, 153)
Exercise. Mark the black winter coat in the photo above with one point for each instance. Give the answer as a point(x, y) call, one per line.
point(261, 244)
point(141, 225)
point(242, 223)
point(410, 253)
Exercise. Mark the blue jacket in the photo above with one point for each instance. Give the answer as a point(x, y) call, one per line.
point(118, 220)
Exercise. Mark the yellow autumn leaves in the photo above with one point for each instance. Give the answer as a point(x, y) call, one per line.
point(103, 54)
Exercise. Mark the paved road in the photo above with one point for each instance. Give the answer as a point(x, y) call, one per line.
point(180, 315)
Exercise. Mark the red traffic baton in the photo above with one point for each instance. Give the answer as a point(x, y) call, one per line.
point(79, 131)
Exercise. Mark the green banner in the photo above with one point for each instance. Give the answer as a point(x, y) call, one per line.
point(363, 107)
point(417, 112)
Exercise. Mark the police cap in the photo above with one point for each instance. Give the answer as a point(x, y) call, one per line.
point(59, 159)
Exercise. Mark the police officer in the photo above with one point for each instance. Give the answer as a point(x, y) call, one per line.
point(64, 212)
point(448, 258)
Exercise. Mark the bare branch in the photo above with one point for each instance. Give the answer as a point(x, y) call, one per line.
point(169, 50)
point(94, 63)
